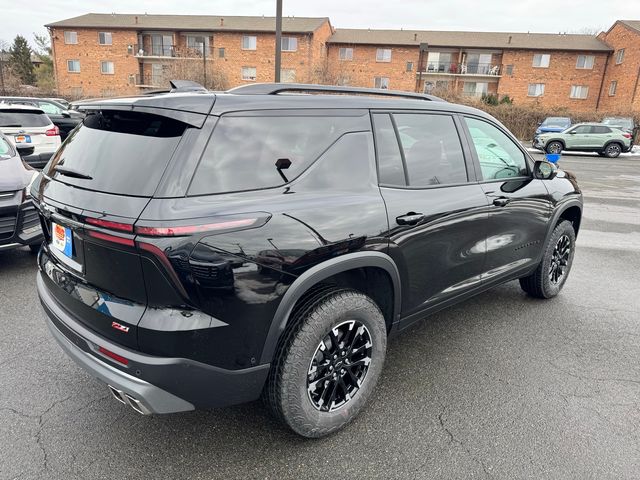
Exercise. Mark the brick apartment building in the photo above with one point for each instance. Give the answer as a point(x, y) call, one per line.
point(111, 54)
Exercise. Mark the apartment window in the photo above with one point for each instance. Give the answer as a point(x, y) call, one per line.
point(541, 60)
point(579, 91)
point(613, 86)
point(70, 38)
point(585, 62)
point(475, 89)
point(104, 38)
point(73, 66)
point(221, 52)
point(287, 75)
point(289, 44)
point(619, 56)
point(409, 66)
point(249, 73)
point(536, 89)
point(106, 68)
point(381, 82)
point(249, 42)
point(343, 80)
point(346, 54)
point(509, 70)
point(383, 55)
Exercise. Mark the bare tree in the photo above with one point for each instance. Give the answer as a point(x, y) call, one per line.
point(195, 70)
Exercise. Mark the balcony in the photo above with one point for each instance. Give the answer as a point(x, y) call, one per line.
point(171, 51)
point(473, 69)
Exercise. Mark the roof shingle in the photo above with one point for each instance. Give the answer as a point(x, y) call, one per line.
point(501, 40)
point(191, 22)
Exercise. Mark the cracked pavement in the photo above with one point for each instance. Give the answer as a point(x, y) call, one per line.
point(500, 387)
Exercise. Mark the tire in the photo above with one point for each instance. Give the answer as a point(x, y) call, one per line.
point(34, 247)
point(613, 150)
point(293, 392)
point(553, 147)
point(551, 274)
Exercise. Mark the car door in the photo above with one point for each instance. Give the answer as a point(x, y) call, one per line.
point(579, 137)
point(600, 135)
point(436, 209)
point(520, 206)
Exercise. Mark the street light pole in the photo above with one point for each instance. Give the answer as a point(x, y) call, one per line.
point(278, 40)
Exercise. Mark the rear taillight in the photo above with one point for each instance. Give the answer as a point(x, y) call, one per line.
point(626, 135)
point(113, 356)
point(99, 222)
point(184, 230)
point(111, 238)
point(52, 132)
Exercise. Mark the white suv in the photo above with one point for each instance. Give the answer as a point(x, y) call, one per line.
point(30, 125)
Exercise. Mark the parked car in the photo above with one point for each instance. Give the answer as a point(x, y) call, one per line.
point(626, 124)
point(553, 124)
point(31, 126)
point(65, 103)
point(159, 272)
point(19, 222)
point(66, 120)
point(586, 137)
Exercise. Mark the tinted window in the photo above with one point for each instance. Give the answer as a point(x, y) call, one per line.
point(243, 150)
point(583, 129)
point(499, 156)
point(18, 118)
point(599, 129)
point(432, 149)
point(390, 170)
point(50, 108)
point(123, 152)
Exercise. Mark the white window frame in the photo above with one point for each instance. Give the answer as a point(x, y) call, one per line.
point(538, 90)
point(587, 62)
point(381, 82)
point(247, 77)
point(541, 57)
point(108, 35)
point(577, 92)
point(288, 75)
point(345, 53)
point(620, 56)
point(613, 86)
point(383, 55)
point(69, 36)
point(479, 88)
point(107, 62)
point(288, 41)
point(68, 65)
point(252, 41)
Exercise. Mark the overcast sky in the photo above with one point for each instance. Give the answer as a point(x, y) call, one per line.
point(552, 16)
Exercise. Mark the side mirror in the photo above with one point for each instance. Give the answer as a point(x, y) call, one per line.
point(543, 170)
point(25, 150)
point(539, 123)
point(572, 132)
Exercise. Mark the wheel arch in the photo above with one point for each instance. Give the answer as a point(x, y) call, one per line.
point(570, 210)
point(559, 140)
point(619, 142)
point(316, 275)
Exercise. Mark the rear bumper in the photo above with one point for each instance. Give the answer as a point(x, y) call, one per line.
point(158, 384)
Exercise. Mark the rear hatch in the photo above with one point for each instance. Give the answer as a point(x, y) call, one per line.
point(31, 127)
point(93, 190)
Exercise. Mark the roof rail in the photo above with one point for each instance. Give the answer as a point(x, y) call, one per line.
point(275, 88)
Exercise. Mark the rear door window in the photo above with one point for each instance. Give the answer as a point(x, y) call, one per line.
point(243, 149)
point(390, 165)
point(20, 118)
point(123, 152)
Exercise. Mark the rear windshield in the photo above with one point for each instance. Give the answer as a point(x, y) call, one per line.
point(17, 118)
point(619, 122)
point(123, 152)
point(243, 151)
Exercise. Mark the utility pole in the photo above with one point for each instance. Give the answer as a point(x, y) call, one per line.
point(204, 61)
point(278, 39)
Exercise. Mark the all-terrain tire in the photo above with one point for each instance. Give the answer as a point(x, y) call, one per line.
point(558, 254)
point(287, 389)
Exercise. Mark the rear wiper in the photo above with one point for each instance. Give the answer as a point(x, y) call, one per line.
point(69, 172)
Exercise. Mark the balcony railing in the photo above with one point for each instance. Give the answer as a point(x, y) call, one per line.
point(460, 68)
point(172, 51)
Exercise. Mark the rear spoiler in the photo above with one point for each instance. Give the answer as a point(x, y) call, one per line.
point(191, 109)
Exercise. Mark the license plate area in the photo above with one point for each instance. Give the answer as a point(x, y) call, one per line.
point(63, 246)
point(23, 138)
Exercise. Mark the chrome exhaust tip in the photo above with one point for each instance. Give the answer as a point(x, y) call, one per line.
point(129, 400)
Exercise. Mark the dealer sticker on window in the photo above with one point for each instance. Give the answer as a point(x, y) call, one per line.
point(62, 238)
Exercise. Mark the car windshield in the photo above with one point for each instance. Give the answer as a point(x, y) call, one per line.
point(556, 122)
point(618, 122)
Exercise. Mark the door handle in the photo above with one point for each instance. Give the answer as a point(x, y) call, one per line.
point(501, 201)
point(410, 218)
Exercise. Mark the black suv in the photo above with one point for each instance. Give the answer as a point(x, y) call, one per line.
point(207, 249)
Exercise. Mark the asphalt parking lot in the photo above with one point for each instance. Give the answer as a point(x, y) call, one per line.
point(502, 386)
